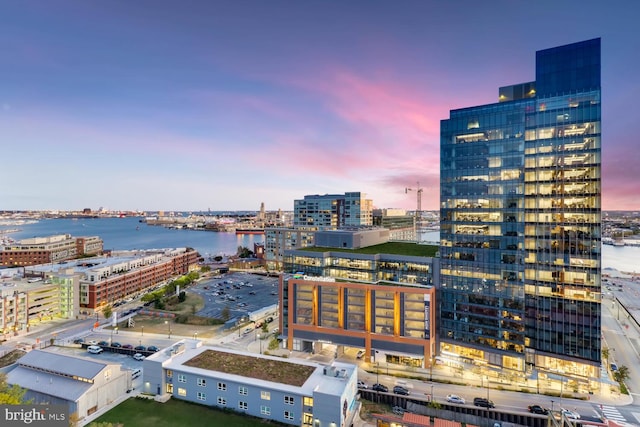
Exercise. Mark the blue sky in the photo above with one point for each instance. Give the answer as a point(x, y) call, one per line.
point(222, 105)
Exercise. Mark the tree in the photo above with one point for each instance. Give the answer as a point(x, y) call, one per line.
point(225, 314)
point(107, 311)
point(265, 327)
point(10, 394)
point(605, 354)
point(622, 374)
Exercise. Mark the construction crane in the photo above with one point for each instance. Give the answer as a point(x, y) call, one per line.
point(418, 221)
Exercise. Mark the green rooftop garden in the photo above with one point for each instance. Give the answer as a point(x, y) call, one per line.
point(394, 248)
point(253, 367)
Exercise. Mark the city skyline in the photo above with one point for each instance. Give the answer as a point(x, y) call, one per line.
point(223, 105)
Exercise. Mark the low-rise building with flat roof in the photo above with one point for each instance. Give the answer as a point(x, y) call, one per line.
point(85, 385)
point(297, 392)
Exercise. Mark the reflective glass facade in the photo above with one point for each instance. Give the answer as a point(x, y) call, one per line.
point(520, 212)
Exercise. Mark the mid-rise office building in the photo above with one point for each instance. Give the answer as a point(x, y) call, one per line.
point(332, 211)
point(520, 225)
point(51, 249)
point(314, 213)
point(390, 323)
point(102, 281)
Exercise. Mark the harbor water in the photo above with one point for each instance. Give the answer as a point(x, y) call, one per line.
point(129, 233)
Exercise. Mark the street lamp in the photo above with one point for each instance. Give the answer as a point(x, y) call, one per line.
point(260, 343)
point(166, 322)
point(142, 331)
point(116, 328)
point(552, 405)
point(195, 336)
point(487, 388)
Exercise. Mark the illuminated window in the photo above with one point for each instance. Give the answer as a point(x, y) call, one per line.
point(307, 401)
point(182, 391)
point(265, 395)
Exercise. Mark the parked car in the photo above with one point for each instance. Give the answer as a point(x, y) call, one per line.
point(537, 409)
point(380, 387)
point(103, 343)
point(94, 349)
point(78, 341)
point(398, 410)
point(361, 384)
point(116, 344)
point(140, 348)
point(359, 354)
point(127, 346)
point(482, 402)
point(613, 367)
point(454, 398)
point(269, 319)
point(152, 348)
point(401, 390)
point(570, 414)
point(258, 325)
point(138, 356)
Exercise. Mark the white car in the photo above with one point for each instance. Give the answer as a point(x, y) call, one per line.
point(361, 384)
point(138, 356)
point(452, 398)
point(570, 414)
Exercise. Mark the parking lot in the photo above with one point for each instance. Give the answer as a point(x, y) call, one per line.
point(241, 293)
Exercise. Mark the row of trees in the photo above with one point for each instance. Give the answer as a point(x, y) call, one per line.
point(621, 375)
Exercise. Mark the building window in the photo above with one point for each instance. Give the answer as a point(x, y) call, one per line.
point(243, 390)
point(201, 396)
point(182, 391)
point(243, 405)
point(182, 378)
point(308, 419)
point(202, 382)
point(265, 395)
point(288, 415)
point(222, 386)
point(288, 400)
point(265, 410)
point(170, 388)
point(222, 401)
point(307, 401)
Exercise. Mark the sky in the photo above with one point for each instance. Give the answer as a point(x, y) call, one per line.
point(224, 105)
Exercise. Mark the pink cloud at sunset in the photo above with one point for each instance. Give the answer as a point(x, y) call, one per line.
point(227, 105)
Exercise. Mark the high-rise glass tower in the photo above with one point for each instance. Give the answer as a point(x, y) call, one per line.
point(520, 226)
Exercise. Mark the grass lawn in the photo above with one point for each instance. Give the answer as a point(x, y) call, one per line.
point(394, 248)
point(174, 413)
